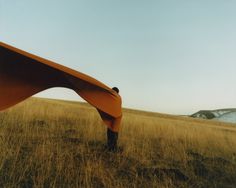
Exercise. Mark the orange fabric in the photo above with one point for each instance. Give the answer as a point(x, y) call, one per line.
point(23, 74)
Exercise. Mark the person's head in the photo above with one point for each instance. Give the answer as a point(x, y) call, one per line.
point(116, 89)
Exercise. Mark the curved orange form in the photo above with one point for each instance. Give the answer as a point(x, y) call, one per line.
point(23, 74)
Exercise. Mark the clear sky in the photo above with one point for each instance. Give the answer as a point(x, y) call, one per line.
point(171, 56)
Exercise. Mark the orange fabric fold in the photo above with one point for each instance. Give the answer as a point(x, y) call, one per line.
point(23, 74)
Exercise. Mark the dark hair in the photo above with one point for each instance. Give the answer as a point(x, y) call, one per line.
point(116, 89)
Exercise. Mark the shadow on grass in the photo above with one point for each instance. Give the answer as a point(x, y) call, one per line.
point(212, 171)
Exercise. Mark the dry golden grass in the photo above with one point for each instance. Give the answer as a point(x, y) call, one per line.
point(52, 143)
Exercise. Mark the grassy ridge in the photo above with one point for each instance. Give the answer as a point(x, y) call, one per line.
point(50, 143)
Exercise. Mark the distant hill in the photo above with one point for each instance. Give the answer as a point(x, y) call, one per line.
point(224, 115)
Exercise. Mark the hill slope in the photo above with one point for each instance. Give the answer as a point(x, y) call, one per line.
point(227, 117)
point(52, 143)
point(224, 115)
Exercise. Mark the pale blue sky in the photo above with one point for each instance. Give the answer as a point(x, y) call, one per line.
point(171, 56)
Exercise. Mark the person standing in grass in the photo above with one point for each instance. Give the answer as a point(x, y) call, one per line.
point(113, 126)
point(112, 135)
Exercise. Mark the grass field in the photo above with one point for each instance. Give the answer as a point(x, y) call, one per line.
point(52, 143)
